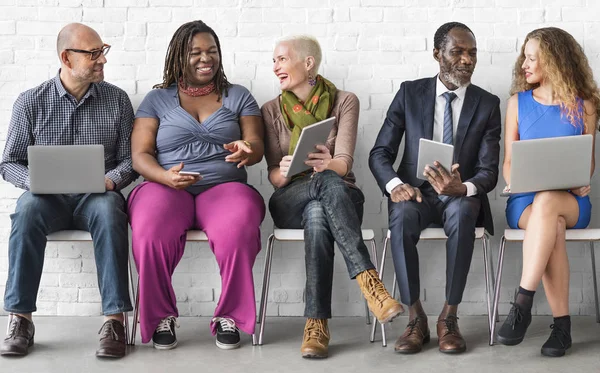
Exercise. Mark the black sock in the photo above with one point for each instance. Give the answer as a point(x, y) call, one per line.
point(564, 322)
point(525, 298)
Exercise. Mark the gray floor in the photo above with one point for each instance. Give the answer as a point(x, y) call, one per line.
point(68, 344)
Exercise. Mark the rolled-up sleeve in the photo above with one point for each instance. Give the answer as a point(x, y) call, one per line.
point(345, 141)
point(123, 174)
point(14, 165)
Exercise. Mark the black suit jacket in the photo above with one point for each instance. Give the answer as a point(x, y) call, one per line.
point(476, 144)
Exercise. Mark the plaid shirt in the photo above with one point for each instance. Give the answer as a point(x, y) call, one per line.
point(49, 115)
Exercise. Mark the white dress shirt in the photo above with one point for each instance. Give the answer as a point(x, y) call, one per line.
point(438, 126)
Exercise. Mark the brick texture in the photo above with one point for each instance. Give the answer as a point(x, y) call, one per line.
point(369, 47)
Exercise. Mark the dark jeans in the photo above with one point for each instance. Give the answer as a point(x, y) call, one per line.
point(103, 215)
point(458, 216)
point(328, 210)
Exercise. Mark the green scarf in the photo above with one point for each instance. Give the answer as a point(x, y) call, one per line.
point(298, 114)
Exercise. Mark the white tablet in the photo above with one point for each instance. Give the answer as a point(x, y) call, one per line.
point(431, 151)
point(310, 137)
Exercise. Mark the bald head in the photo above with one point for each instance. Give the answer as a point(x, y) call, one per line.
point(74, 34)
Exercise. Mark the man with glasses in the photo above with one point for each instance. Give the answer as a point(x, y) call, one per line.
point(74, 108)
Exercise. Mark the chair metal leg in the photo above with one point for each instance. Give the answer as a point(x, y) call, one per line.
point(131, 337)
point(374, 259)
point(136, 314)
point(593, 254)
point(375, 322)
point(486, 270)
point(127, 331)
point(497, 287)
point(265, 289)
point(10, 317)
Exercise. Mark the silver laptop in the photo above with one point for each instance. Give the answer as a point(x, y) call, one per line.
point(66, 169)
point(556, 163)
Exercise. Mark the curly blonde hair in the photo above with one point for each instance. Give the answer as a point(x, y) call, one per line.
point(565, 66)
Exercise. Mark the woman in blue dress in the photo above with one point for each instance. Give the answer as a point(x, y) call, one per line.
point(554, 94)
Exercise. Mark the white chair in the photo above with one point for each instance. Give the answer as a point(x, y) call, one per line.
point(294, 235)
point(192, 236)
point(83, 236)
point(518, 235)
point(430, 234)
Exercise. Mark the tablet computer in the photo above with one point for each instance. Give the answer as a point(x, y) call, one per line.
point(310, 137)
point(431, 151)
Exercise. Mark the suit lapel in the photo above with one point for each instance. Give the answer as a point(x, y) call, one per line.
point(466, 115)
point(428, 107)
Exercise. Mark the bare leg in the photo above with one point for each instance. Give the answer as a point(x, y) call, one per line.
point(541, 232)
point(556, 277)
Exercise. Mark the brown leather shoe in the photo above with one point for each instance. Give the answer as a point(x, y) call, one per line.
point(449, 338)
point(112, 339)
point(19, 338)
point(380, 302)
point(316, 339)
point(415, 335)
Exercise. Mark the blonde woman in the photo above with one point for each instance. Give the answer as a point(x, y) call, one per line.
point(324, 201)
point(554, 94)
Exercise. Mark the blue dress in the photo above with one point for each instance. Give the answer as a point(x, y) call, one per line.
point(538, 121)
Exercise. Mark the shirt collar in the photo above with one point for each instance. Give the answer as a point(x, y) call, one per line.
point(440, 89)
point(92, 91)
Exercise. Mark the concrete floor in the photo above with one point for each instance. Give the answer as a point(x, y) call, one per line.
point(65, 344)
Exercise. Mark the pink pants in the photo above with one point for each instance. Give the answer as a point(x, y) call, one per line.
point(230, 214)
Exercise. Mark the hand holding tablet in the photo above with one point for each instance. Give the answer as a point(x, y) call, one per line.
point(310, 137)
point(432, 151)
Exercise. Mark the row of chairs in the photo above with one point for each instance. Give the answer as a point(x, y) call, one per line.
point(429, 234)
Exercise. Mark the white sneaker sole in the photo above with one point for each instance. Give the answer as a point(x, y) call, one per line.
point(225, 346)
point(165, 347)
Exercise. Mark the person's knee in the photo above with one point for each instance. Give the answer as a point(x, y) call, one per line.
point(546, 202)
point(404, 214)
point(314, 216)
point(462, 212)
point(330, 181)
point(31, 211)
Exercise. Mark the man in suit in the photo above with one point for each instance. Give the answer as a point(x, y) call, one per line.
point(445, 108)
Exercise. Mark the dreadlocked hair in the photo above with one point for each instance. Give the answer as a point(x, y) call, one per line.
point(177, 59)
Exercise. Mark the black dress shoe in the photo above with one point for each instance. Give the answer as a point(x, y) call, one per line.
point(20, 337)
point(112, 340)
point(513, 330)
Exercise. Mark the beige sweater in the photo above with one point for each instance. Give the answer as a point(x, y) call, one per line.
point(341, 141)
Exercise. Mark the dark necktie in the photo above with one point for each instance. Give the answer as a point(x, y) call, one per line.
point(448, 129)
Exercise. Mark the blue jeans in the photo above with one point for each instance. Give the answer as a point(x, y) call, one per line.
point(36, 216)
point(328, 210)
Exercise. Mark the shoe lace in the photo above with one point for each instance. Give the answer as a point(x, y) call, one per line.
point(451, 324)
point(315, 329)
point(412, 325)
point(375, 287)
point(165, 324)
point(515, 315)
point(108, 330)
point(559, 334)
point(227, 324)
point(17, 327)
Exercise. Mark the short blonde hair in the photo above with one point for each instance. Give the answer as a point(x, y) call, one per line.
point(304, 46)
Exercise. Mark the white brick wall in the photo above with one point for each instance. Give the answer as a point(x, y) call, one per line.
point(370, 47)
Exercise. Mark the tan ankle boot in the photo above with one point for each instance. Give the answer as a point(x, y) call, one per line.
point(316, 339)
point(384, 307)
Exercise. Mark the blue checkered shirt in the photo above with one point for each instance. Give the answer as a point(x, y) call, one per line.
point(49, 115)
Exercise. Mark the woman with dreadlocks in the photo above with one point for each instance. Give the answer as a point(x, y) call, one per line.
point(197, 122)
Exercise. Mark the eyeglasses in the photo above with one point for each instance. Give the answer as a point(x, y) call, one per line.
point(95, 53)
